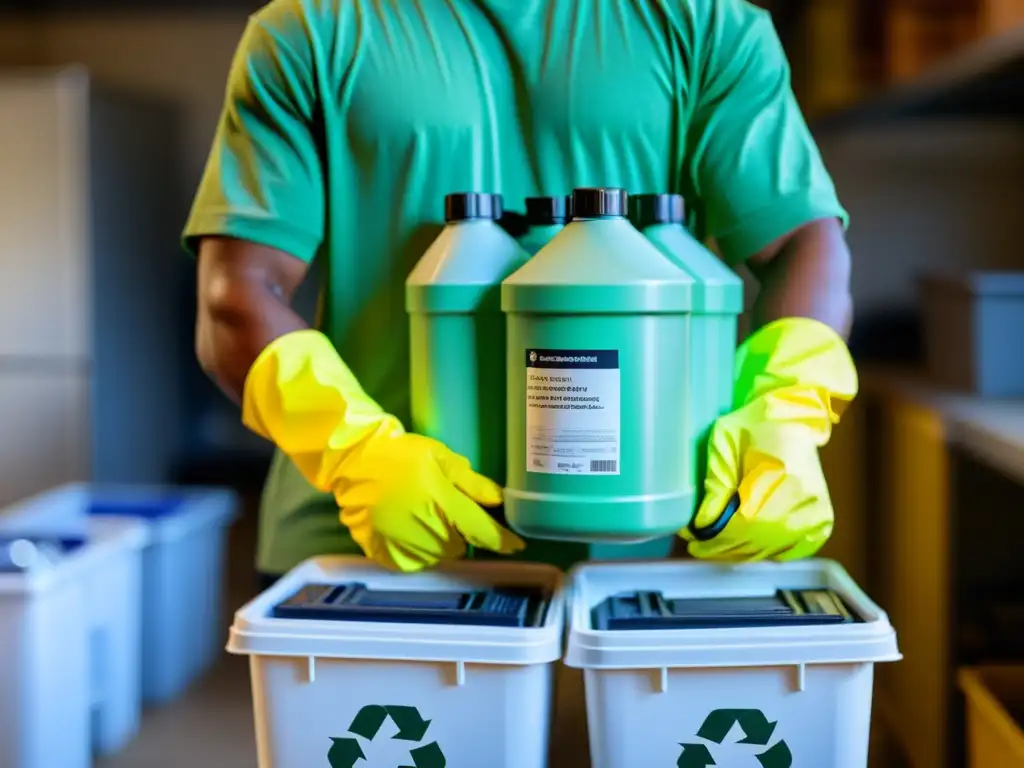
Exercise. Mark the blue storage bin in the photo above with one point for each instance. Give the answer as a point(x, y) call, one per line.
point(972, 326)
point(183, 618)
point(69, 642)
point(182, 584)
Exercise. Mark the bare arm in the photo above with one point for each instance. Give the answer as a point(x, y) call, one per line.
point(806, 274)
point(245, 292)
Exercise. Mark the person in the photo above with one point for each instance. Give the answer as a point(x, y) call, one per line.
point(346, 121)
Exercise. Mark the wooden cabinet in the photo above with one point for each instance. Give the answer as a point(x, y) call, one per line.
point(911, 531)
point(844, 461)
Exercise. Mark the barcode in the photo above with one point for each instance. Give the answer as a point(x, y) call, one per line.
point(603, 465)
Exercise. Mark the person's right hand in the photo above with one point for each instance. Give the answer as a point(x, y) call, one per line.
point(407, 500)
point(410, 502)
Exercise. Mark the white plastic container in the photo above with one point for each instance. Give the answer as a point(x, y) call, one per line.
point(69, 643)
point(424, 694)
point(183, 568)
point(774, 696)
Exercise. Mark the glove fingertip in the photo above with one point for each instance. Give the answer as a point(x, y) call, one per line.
point(480, 489)
point(511, 543)
point(500, 540)
point(711, 508)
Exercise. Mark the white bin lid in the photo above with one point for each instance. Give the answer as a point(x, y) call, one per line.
point(872, 639)
point(59, 558)
point(293, 618)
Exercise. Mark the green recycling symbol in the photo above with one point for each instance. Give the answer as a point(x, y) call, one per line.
point(345, 752)
point(757, 729)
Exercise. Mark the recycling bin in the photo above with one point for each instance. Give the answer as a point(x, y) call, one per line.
point(69, 641)
point(181, 595)
point(454, 666)
point(698, 664)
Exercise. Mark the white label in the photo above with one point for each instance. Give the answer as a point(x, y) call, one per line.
point(572, 411)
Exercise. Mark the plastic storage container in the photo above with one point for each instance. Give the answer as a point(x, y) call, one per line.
point(545, 217)
point(183, 568)
point(449, 667)
point(457, 332)
point(972, 327)
point(69, 644)
point(598, 439)
point(995, 716)
point(717, 305)
point(699, 664)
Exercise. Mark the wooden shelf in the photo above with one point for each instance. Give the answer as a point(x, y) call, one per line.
point(992, 430)
point(984, 80)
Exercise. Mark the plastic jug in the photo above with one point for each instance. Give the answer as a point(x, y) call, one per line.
point(457, 332)
point(545, 217)
point(598, 438)
point(717, 305)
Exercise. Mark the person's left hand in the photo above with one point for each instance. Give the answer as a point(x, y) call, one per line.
point(793, 378)
point(767, 454)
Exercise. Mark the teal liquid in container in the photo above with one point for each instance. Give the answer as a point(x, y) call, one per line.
point(717, 305)
point(599, 444)
point(457, 332)
point(545, 217)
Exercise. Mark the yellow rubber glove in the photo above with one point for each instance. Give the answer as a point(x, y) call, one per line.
point(408, 501)
point(794, 377)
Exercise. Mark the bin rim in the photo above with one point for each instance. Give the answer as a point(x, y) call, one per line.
point(202, 506)
point(64, 509)
point(104, 539)
point(872, 640)
point(255, 633)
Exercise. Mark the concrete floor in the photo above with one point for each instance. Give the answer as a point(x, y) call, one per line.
point(212, 725)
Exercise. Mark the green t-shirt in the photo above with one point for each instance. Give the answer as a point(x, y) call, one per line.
point(347, 121)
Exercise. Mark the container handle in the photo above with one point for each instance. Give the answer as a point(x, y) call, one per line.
point(708, 532)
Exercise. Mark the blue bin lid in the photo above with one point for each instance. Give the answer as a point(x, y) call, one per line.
point(651, 610)
point(502, 607)
point(52, 547)
point(154, 508)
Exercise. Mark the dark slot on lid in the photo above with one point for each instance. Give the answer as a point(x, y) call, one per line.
point(787, 607)
point(500, 607)
point(155, 508)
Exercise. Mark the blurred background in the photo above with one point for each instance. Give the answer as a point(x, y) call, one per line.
point(107, 110)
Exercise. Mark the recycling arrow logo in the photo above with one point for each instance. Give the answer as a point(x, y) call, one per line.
point(757, 730)
point(346, 751)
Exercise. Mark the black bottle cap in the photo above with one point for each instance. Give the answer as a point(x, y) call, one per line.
point(547, 210)
point(599, 202)
point(648, 209)
point(462, 206)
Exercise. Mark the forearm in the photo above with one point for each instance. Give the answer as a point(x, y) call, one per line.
point(229, 338)
point(242, 309)
point(807, 276)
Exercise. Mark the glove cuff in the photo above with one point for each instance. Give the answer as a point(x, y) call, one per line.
point(795, 352)
point(300, 395)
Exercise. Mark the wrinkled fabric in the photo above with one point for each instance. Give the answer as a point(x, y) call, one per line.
point(346, 122)
point(407, 500)
point(794, 378)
